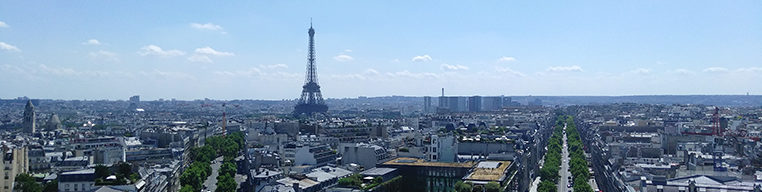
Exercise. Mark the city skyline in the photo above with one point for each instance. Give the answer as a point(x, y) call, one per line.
point(257, 50)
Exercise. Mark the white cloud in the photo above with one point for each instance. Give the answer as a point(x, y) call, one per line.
point(46, 71)
point(209, 51)
point(58, 71)
point(247, 72)
point(8, 47)
point(347, 50)
point(509, 71)
point(421, 58)
point(200, 59)
point(641, 71)
point(256, 72)
point(574, 68)
point(343, 58)
point(167, 75)
point(207, 26)
point(361, 76)
point(202, 55)
point(91, 42)
point(106, 55)
point(453, 67)
point(274, 66)
point(715, 69)
point(506, 59)
point(409, 74)
point(684, 71)
point(157, 51)
point(750, 69)
point(3, 25)
point(371, 72)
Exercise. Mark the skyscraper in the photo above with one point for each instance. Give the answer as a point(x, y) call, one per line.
point(29, 124)
point(492, 103)
point(427, 104)
point(312, 100)
point(475, 104)
point(134, 101)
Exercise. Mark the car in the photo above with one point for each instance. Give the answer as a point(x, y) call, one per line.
point(568, 185)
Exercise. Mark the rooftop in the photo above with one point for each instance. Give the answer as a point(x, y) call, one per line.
point(84, 171)
point(489, 171)
point(377, 171)
point(420, 162)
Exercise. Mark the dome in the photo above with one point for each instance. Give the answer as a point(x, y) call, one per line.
point(54, 122)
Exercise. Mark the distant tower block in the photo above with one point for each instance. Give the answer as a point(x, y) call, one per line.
point(29, 125)
point(311, 101)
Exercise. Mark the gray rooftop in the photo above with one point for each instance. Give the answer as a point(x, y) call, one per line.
point(488, 164)
point(377, 171)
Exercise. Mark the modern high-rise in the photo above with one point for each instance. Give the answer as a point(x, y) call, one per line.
point(507, 101)
point(29, 124)
point(474, 104)
point(135, 99)
point(427, 104)
point(493, 103)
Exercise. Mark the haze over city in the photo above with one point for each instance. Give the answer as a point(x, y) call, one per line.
point(381, 96)
point(256, 50)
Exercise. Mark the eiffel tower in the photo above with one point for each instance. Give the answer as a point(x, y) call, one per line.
point(311, 101)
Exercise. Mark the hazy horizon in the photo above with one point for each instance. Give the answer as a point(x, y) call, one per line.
point(142, 98)
point(257, 50)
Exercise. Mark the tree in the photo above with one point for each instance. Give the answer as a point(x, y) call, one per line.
point(226, 183)
point(187, 188)
point(228, 168)
point(354, 181)
point(229, 148)
point(203, 154)
point(492, 187)
point(237, 137)
point(27, 183)
point(51, 186)
point(478, 188)
point(461, 186)
point(123, 169)
point(547, 186)
point(194, 177)
point(215, 142)
point(101, 171)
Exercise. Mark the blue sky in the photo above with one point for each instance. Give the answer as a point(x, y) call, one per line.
point(257, 50)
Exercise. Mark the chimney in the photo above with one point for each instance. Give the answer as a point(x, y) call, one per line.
point(296, 187)
point(442, 92)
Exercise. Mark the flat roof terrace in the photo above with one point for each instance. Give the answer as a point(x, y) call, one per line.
point(489, 171)
point(408, 161)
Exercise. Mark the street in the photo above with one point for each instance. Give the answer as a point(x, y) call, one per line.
point(211, 182)
point(564, 172)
